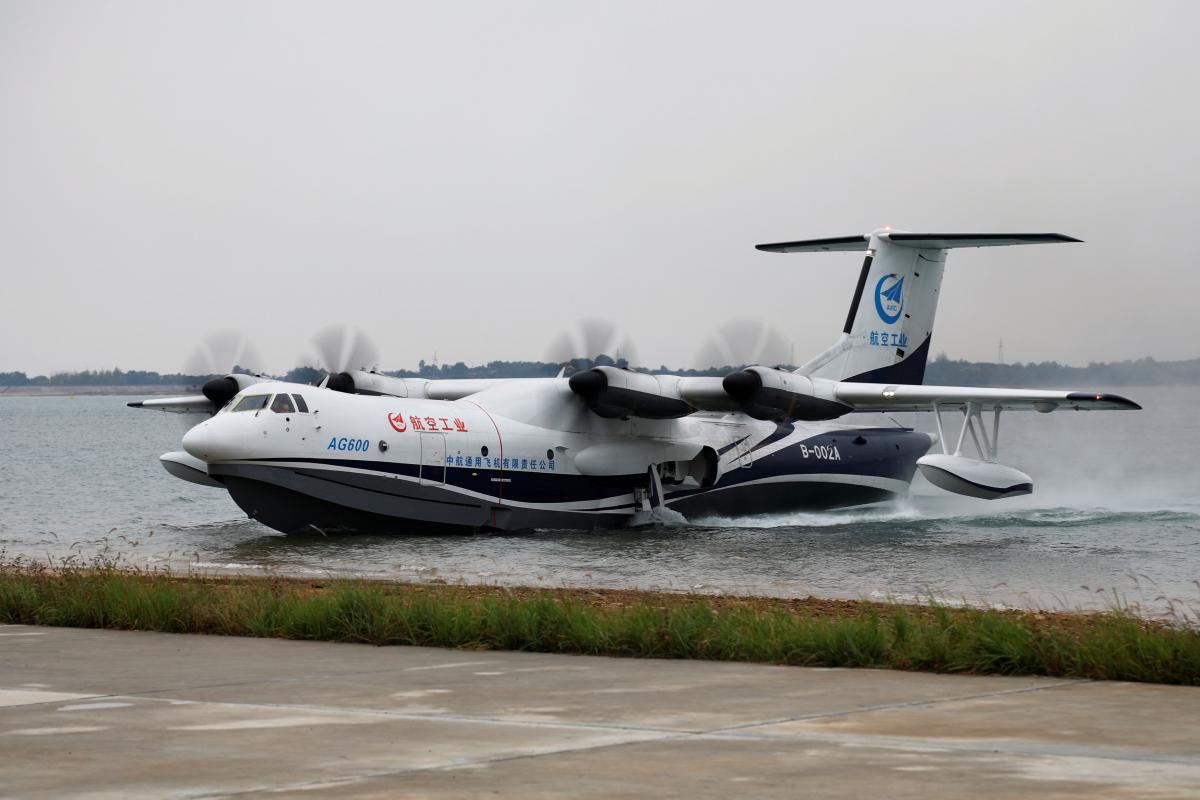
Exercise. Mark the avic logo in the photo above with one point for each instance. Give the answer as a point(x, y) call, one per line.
point(397, 421)
point(889, 301)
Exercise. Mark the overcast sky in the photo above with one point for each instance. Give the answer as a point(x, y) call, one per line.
point(470, 178)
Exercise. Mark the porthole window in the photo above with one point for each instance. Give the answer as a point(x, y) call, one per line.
point(550, 455)
point(383, 446)
point(483, 451)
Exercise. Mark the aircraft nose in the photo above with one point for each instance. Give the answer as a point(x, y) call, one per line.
point(203, 441)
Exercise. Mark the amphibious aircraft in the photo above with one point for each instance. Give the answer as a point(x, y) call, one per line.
point(609, 446)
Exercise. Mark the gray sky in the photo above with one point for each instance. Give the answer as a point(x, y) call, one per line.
point(471, 177)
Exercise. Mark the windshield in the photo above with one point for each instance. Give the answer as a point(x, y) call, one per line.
point(282, 404)
point(252, 402)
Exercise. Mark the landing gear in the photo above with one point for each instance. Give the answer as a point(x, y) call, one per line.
point(652, 508)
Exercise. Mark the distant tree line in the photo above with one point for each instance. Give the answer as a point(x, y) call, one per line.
point(102, 377)
point(945, 371)
point(941, 370)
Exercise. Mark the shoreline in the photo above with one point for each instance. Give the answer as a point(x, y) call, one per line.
point(1112, 645)
point(96, 391)
point(1160, 610)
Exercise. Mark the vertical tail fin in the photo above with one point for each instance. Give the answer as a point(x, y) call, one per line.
point(888, 329)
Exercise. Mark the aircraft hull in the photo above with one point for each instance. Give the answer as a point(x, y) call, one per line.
point(344, 495)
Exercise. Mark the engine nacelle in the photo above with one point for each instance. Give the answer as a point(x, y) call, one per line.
point(220, 391)
point(772, 394)
point(617, 393)
point(360, 382)
point(968, 476)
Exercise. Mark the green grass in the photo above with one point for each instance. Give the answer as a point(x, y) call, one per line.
point(1112, 645)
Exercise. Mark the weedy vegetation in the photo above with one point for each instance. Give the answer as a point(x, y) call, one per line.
point(1114, 645)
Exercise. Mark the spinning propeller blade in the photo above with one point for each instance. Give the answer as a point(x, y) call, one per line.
point(340, 348)
point(744, 342)
point(223, 352)
point(590, 339)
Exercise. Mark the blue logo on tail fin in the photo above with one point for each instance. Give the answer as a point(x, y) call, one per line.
point(889, 302)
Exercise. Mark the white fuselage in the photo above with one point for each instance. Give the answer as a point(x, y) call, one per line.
point(374, 462)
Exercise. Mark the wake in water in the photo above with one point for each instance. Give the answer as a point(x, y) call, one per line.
point(1000, 513)
point(899, 511)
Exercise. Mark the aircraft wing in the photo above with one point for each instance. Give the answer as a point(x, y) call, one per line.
point(706, 394)
point(187, 404)
point(458, 388)
point(887, 397)
point(361, 382)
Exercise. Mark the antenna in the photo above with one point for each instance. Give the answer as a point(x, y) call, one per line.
point(1000, 353)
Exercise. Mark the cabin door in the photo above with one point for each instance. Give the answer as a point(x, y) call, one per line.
point(433, 459)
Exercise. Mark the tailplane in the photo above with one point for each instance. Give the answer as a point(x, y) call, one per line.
point(888, 329)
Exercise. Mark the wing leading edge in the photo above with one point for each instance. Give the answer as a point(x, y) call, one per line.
point(885, 397)
point(187, 404)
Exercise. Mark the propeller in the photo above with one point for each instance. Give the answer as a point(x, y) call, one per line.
point(587, 342)
point(744, 342)
point(591, 342)
point(341, 348)
point(220, 354)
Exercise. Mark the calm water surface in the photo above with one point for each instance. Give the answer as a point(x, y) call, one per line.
point(1116, 509)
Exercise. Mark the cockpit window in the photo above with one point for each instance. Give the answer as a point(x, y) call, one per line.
point(300, 404)
point(252, 402)
point(282, 404)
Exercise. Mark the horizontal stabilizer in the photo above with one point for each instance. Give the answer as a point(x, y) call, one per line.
point(945, 241)
point(829, 245)
point(923, 241)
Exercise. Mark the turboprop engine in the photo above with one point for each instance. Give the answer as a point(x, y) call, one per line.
point(617, 393)
point(363, 382)
point(220, 391)
point(772, 394)
point(372, 383)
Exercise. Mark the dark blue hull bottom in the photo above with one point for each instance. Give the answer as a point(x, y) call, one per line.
point(423, 510)
point(778, 498)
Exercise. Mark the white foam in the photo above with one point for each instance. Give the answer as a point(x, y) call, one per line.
point(900, 510)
